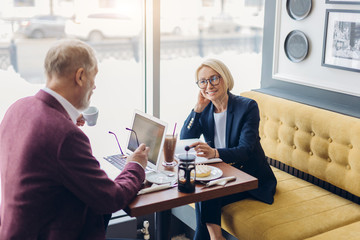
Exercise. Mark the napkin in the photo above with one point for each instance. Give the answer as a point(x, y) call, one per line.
point(220, 181)
point(202, 160)
point(154, 188)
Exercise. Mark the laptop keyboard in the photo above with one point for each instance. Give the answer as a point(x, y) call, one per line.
point(117, 160)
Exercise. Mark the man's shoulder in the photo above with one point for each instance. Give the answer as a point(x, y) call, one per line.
point(28, 101)
point(43, 115)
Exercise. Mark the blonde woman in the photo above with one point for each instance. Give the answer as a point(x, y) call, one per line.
point(230, 126)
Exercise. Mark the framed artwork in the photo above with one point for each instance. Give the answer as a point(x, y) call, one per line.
point(341, 46)
point(343, 1)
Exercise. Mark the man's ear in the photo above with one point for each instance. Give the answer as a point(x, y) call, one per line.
point(79, 77)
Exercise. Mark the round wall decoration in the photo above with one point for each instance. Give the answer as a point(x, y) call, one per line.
point(298, 9)
point(296, 46)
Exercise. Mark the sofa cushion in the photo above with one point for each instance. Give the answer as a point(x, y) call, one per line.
point(300, 210)
point(348, 232)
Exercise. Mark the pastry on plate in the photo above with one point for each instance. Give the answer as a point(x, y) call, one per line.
point(202, 170)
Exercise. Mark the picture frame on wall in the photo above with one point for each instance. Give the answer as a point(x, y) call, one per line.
point(343, 2)
point(341, 45)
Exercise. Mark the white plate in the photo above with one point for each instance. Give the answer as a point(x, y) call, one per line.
point(215, 173)
point(159, 177)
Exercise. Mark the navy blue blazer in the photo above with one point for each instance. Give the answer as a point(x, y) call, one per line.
point(243, 149)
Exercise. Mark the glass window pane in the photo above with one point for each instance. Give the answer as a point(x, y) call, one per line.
point(116, 34)
point(194, 30)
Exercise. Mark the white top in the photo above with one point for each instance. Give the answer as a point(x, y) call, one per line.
point(220, 129)
point(70, 109)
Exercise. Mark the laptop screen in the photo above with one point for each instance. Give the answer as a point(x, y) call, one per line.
point(151, 131)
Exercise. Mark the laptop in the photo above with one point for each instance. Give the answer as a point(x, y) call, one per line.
point(146, 129)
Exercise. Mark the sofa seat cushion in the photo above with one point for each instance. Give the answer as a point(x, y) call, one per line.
point(300, 210)
point(348, 232)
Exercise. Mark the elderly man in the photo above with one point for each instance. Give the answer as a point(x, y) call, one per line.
point(51, 184)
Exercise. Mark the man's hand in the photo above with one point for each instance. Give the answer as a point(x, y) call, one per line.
point(140, 155)
point(80, 121)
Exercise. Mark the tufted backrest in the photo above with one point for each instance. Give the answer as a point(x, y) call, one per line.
point(322, 143)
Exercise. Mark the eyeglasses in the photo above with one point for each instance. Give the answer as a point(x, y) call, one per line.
point(137, 141)
point(213, 80)
point(117, 141)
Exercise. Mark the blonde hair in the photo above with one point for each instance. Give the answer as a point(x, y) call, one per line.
point(221, 69)
point(65, 57)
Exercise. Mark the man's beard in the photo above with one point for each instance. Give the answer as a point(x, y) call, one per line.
point(84, 105)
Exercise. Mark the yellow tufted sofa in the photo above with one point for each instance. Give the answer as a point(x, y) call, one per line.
point(320, 146)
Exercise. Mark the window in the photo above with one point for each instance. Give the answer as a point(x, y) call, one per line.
point(189, 32)
point(192, 31)
point(118, 42)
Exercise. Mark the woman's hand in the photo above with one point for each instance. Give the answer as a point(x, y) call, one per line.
point(202, 102)
point(204, 150)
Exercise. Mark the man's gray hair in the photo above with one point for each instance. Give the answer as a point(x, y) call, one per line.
point(65, 57)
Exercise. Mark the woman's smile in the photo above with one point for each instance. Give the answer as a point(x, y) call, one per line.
point(211, 92)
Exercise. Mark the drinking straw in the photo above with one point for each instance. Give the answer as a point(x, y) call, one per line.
point(174, 130)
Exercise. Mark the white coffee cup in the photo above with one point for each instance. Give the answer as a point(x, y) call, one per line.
point(91, 115)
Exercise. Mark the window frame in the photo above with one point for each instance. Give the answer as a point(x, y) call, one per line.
point(152, 57)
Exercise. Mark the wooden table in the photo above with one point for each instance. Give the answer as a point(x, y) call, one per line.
point(164, 200)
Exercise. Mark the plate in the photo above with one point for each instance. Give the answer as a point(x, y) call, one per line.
point(159, 177)
point(296, 46)
point(215, 173)
point(298, 9)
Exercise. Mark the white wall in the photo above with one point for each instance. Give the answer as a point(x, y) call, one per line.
point(310, 72)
